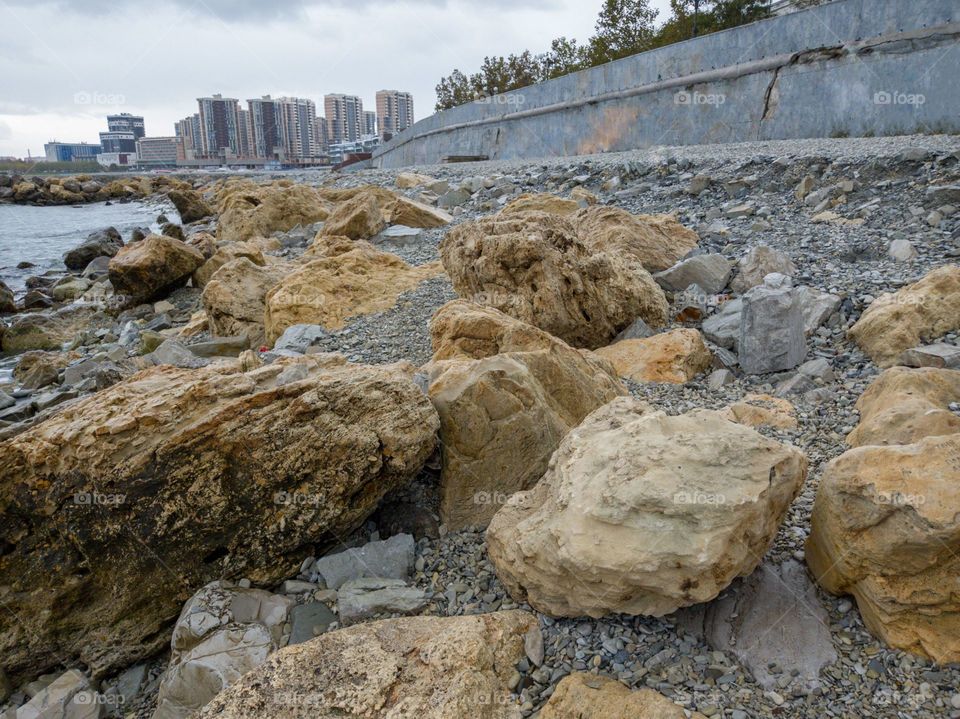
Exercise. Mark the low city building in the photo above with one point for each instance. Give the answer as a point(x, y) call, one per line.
point(158, 151)
point(71, 151)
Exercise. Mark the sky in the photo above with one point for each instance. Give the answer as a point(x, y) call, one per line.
point(67, 64)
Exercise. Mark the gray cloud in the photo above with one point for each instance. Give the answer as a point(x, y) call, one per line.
point(255, 10)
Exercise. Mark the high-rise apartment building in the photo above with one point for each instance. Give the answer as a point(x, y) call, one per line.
point(344, 114)
point(299, 118)
point(394, 112)
point(267, 128)
point(369, 123)
point(219, 126)
point(320, 134)
point(246, 133)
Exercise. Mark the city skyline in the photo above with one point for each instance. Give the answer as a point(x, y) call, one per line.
point(60, 87)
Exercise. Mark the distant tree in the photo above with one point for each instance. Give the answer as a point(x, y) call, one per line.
point(565, 56)
point(454, 90)
point(625, 27)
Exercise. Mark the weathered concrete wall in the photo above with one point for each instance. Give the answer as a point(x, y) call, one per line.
point(850, 68)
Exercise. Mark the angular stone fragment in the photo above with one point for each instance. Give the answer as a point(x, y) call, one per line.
point(772, 336)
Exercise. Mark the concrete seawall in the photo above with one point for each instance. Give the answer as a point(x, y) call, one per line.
point(851, 68)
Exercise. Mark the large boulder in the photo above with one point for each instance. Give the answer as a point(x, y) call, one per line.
point(588, 696)
point(249, 210)
point(903, 406)
point(330, 290)
point(918, 313)
point(189, 204)
point(676, 357)
point(759, 262)
point(533, 267)
point(251, 250)
point(235, 298)
point(116, 510)
point(886, 528)
point(427, 667)
point(772, 335)
point(360, 217)
point(152, 268)
point(102, 243)
point(503, 414)
point(658, 242)
point(644, 513)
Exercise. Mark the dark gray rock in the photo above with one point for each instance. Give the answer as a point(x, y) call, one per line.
point(102, 243)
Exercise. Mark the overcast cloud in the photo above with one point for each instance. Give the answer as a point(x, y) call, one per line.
point(69, 63)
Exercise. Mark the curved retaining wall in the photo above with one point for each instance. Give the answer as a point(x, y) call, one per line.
point(850, 68)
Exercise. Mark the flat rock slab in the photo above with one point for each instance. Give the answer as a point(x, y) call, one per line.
point(940, 355)
point(392, 558)
point(771, 617)
point(362, 598)
point(309, 620)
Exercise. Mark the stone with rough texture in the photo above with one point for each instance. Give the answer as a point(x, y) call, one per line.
point(235, 298)
point(192, 475)
point(300, 338)
point(762, 410)
point(152, 268)
point(102, 243)
point(918, 313)
point(7, 302)
point(759, 262)
point(885, 528)
point(644, 513)
point(251, 250)
point(710, 272)
point(540, 202)
point(506, 397)
point(723, 327)
point(50, 331)
point(330, 290)
point(589, 696)
point(532, 266)
point(903, 406)
point(389, 559)
point(190, 205)
point(772, 336)
point(426, 667)
point(249, 210)
point(676, 356)
point(658, 242)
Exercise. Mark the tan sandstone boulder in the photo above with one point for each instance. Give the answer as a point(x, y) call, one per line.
point(152, 268)
point(658, 242)
point(190, 205)
point(503, 414)
point(541, 202)
point(533, 267)
point(904, 405)
point(918, 313)
point(886, 529)
point(330, 290)
point(425, 667)
point(116, 510)
point(587, 696)
point(404, 211)
point(235, 298)
point(644, 513)
point(249, 210)
point(229, 252)
point(360, 217)
point(676, 356)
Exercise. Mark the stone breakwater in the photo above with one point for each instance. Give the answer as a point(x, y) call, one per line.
point(41, 190)
point(670, 433)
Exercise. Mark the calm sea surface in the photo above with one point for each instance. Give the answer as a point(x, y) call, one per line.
point(42, 234)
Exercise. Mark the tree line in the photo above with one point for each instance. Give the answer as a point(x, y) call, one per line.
point(623, 28)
